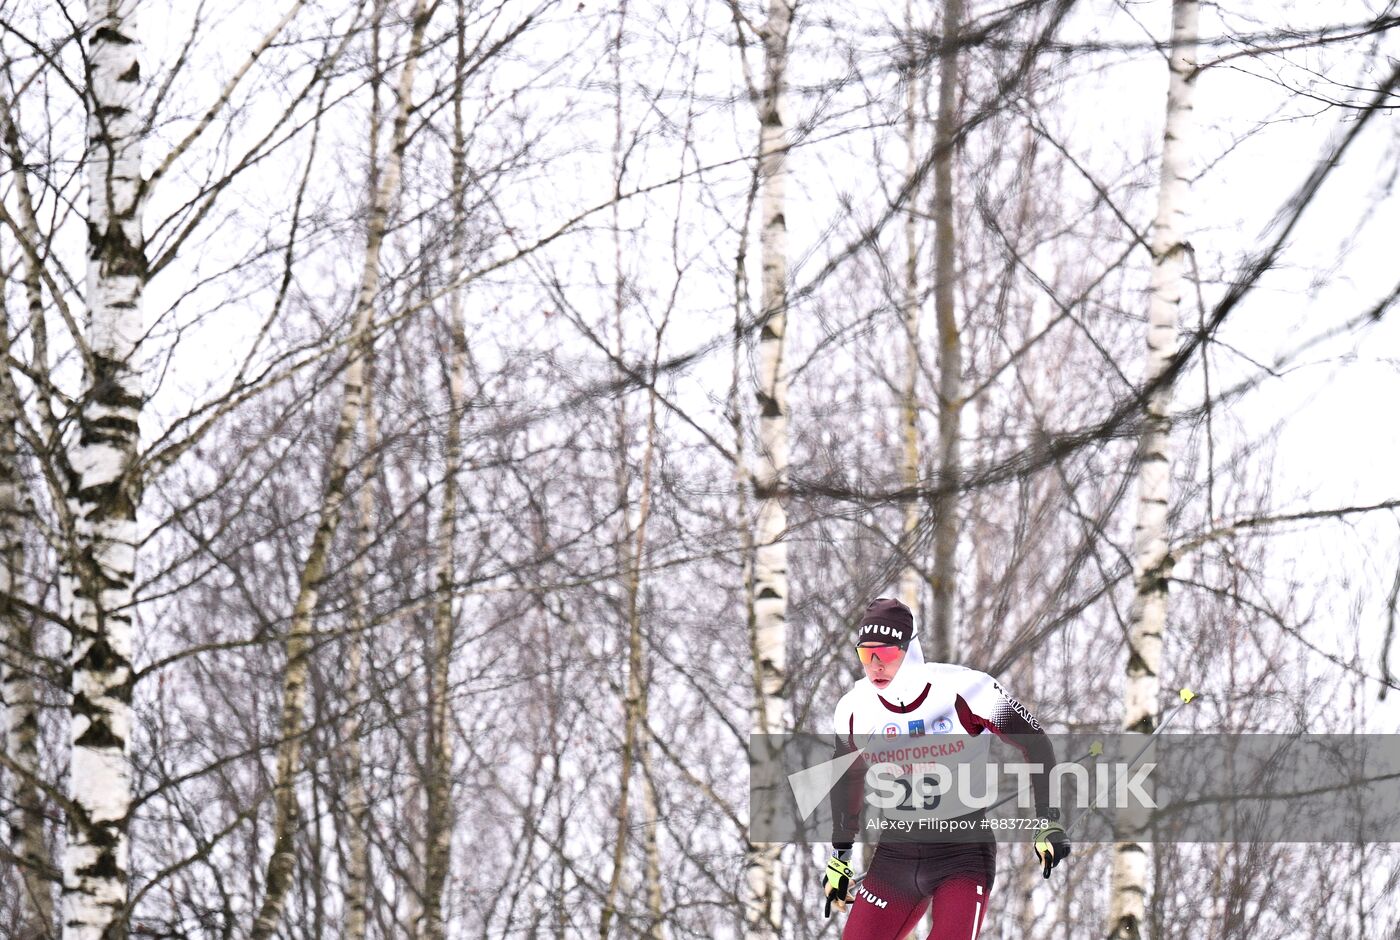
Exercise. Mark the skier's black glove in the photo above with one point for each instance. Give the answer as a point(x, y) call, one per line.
point(1051, 847)
point(836, 884)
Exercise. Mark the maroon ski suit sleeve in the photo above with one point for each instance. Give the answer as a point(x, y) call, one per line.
point(846, 795)
point(986, 706)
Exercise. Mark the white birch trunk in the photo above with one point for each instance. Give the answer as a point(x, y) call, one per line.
point(651, 814)
point(440, 811)
point(742, 478)
point(770, 575)
point(632, 696)
point(280, 865)
point(909, 404)
point(1151, 558)
point(31, 241)
point(17, 687)
point(357, 860)
point(651, 845)
point(438, 858)
point(18, 642)
point(651, 875)
point(652, 867)
point(634, 741)
point(632, 708)
point(945, 507)
point(770, 589)
point(632, 548)
point(356, 798)
point(102, 490)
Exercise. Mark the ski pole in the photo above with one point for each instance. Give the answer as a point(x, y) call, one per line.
point(1095, 749)
point(1187, 696)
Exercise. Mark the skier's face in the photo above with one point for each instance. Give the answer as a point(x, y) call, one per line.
point(880, 662)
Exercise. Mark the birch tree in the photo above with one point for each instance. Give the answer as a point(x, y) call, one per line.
point(630, 552)
point(1152, 564)
point(18, 629)
point(945, 505)
point(635, 765)
point(770, 580)
point(909, 577)
point(356, 815)
point(278, 876)
point(18, 688)
point(770, 575)
point(103, 492)
point(438, 855)
point(529, 496)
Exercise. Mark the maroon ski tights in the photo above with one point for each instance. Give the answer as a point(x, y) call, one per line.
point(887, 909)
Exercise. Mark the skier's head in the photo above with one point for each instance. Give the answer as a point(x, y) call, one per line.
point(883, 640)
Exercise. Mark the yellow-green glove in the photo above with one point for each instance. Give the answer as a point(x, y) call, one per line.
point(837, 883)
point(1051, 847)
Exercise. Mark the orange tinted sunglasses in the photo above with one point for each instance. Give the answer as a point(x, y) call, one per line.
point(885, 654)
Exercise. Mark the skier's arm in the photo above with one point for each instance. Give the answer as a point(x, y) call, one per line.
point(986, 706)
point(846, 795)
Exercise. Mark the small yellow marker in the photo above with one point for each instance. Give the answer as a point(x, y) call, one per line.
point(1096, 749)
point(1186, 696)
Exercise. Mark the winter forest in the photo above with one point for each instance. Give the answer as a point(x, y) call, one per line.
point(434, 434)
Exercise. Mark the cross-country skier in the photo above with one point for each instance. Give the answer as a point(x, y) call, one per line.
point(903, 695)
